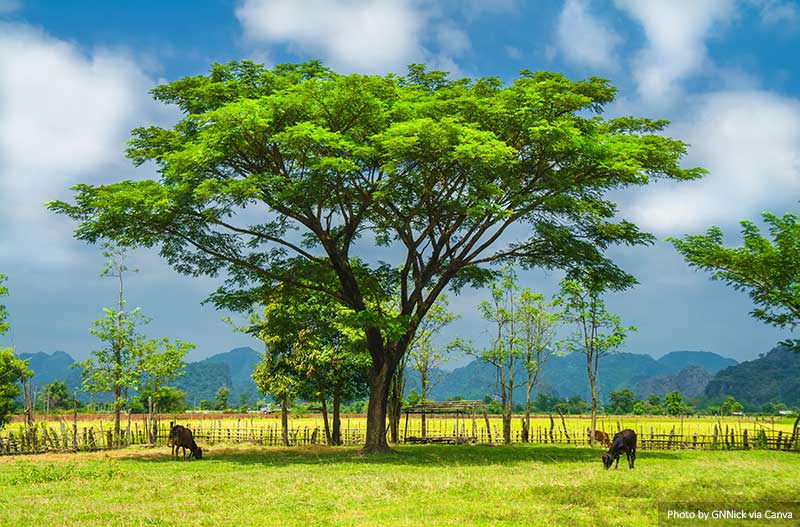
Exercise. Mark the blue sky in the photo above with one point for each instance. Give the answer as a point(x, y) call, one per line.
point(74, 78)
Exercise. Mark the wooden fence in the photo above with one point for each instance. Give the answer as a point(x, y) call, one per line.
point(68, 437)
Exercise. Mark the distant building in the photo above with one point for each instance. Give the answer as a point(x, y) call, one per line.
point(785, 412)
point(740, 414)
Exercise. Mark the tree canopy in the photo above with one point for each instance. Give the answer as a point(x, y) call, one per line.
point(269, 167)
point(768, 270)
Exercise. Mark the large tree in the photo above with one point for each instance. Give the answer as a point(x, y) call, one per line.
point(269, 165)
point(767, 270)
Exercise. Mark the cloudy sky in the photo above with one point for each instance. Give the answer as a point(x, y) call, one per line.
point(74, 78)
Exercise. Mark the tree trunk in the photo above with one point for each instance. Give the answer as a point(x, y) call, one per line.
point(285, 421)
point(526, 429)
point(337, 420)
point(395, 404)
point(507, 426)
point(117, 411)
point(380, 380)
point(325, 421)
point(594, 411)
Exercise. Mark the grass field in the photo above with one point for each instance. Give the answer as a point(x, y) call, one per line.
point(419, 485)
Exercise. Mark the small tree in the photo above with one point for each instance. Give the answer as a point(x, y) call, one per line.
point(506, 349)
point(653, 405)
point(673, 403)
point(425, 355)
point(622, 401)
point(731, 405)
point(56, 395)
point(128, 357)
point(221, 398)
point(12, 372)
point(538, 326)
point(598, 331)
point(274, 376)
point(313, 351)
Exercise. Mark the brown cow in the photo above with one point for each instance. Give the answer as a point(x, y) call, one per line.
point(602, 437)
point(181, 437)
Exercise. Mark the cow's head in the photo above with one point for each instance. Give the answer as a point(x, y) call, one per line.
point(608, 459)
point(198, 453)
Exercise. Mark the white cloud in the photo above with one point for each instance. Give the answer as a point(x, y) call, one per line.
point(585, 39)
point(676, 32)
point(64, 118)
point(371, 36)
point(750, 143)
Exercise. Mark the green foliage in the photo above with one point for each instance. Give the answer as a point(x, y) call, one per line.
point(12, 372)
point(313, 347)
point(673, 403)
point(168, 399)
point(621, 402)
point(730, 405)
point(221, 398)
point(130, 360)
point(767, 269)
point(57, 394)
point(413, 398)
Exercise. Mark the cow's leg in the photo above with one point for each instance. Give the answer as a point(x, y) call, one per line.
point(633, 457)
point(617, 465)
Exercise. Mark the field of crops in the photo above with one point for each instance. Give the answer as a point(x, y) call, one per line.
point(93, 432)
point(658, 423)
point(441, 485)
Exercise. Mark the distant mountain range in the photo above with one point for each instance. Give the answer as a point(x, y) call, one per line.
point(200, 381)
point(774, 376)
point(566, 376)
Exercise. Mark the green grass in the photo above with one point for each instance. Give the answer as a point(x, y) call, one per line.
point(437, 485)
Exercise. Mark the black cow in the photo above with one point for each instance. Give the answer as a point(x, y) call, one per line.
point(624, 441)
point(181, 437)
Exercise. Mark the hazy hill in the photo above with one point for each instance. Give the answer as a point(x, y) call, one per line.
point(775, 375)
point(691, 382)
point(711, 362)
point(50, 367)
point(240, 363)
point(566, 375)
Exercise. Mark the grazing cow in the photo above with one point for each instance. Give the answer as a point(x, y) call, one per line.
point(181, 437)
point(624, 441)
point(601, 436)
